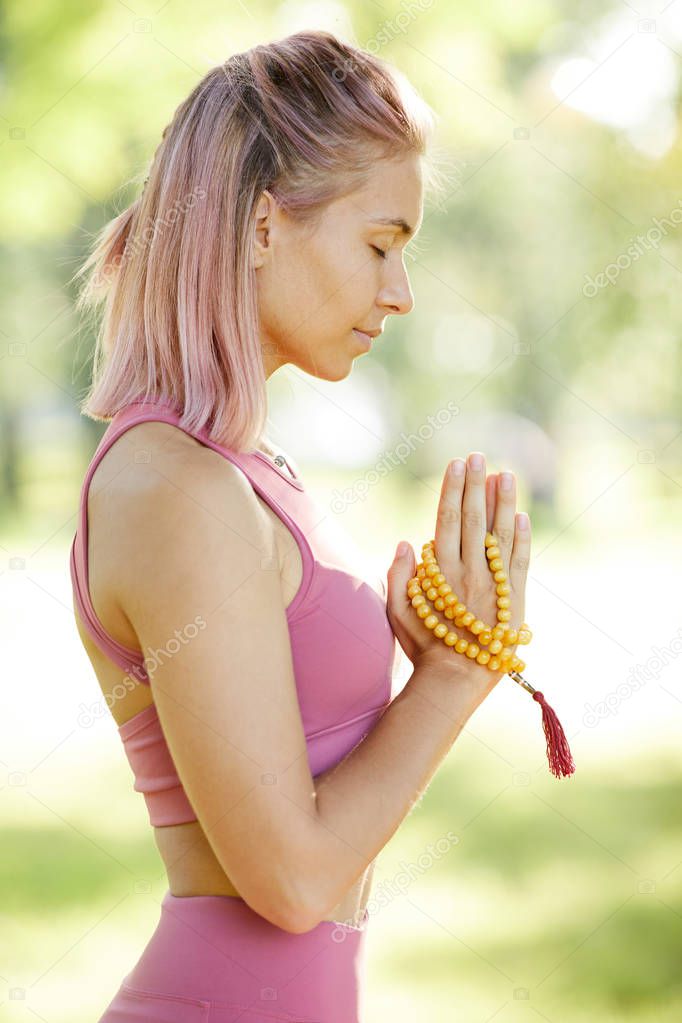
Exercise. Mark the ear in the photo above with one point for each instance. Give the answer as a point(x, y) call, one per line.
point(263, 218)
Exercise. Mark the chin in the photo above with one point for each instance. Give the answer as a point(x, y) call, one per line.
point(331, 369)
point(333, 375)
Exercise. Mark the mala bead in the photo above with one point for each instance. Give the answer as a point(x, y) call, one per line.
point(429, 592)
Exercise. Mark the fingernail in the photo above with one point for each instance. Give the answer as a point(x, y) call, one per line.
point(505, 481)
point(524, 521)
point(402, 549)
point(476, 462)
point(457, 467)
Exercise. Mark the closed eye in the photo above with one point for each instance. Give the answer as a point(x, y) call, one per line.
point(379, 252)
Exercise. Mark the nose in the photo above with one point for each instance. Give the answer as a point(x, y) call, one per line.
point(396, 295)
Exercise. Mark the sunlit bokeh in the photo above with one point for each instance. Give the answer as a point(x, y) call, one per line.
point(545, 333)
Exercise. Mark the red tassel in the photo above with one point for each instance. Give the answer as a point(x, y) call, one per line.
point(558, 753)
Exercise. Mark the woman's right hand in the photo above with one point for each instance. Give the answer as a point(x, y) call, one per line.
point(465, 513)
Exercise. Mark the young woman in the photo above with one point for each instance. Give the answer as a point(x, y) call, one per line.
point(244, 655)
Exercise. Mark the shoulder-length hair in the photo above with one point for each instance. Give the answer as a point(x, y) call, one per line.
point(304, 117)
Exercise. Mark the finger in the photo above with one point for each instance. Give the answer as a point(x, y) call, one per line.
point(520, 558)
point(504, 523)
point(490, 500)
point(398, 608)
point(474, 514)
point(449, 516)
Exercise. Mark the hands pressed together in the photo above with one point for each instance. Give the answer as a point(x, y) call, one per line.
point(471, 504)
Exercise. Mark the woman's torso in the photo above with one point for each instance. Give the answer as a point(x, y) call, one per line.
point(191, 865)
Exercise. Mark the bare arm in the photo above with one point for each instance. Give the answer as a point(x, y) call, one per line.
point(200, 581)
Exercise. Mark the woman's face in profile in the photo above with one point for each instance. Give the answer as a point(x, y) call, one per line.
point(315, 287)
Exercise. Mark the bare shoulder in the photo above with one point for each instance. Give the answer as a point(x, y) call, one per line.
point(150, 451)
point(159, 495)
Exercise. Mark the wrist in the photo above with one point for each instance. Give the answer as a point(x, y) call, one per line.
point(455, 676)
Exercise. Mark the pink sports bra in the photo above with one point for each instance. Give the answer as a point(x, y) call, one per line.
point(343, 647)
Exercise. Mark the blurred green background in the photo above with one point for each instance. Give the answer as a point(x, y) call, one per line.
point(546, 334)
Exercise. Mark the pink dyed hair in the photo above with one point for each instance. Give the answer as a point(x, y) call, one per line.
point(305, 117)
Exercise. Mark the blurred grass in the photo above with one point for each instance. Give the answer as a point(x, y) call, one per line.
point(540, 900)
point(529, 898)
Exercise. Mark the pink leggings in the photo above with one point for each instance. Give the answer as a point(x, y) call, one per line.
point(212, 959)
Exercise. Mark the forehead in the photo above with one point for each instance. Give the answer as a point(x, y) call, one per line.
point(392, 198)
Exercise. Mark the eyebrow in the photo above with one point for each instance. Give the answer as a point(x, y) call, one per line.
point(395, 222)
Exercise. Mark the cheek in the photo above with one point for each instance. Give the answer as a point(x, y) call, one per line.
point(323, 289)
point(352, 282)
point(328, 293)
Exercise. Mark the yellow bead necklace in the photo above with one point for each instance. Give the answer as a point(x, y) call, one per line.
point(430, 585)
